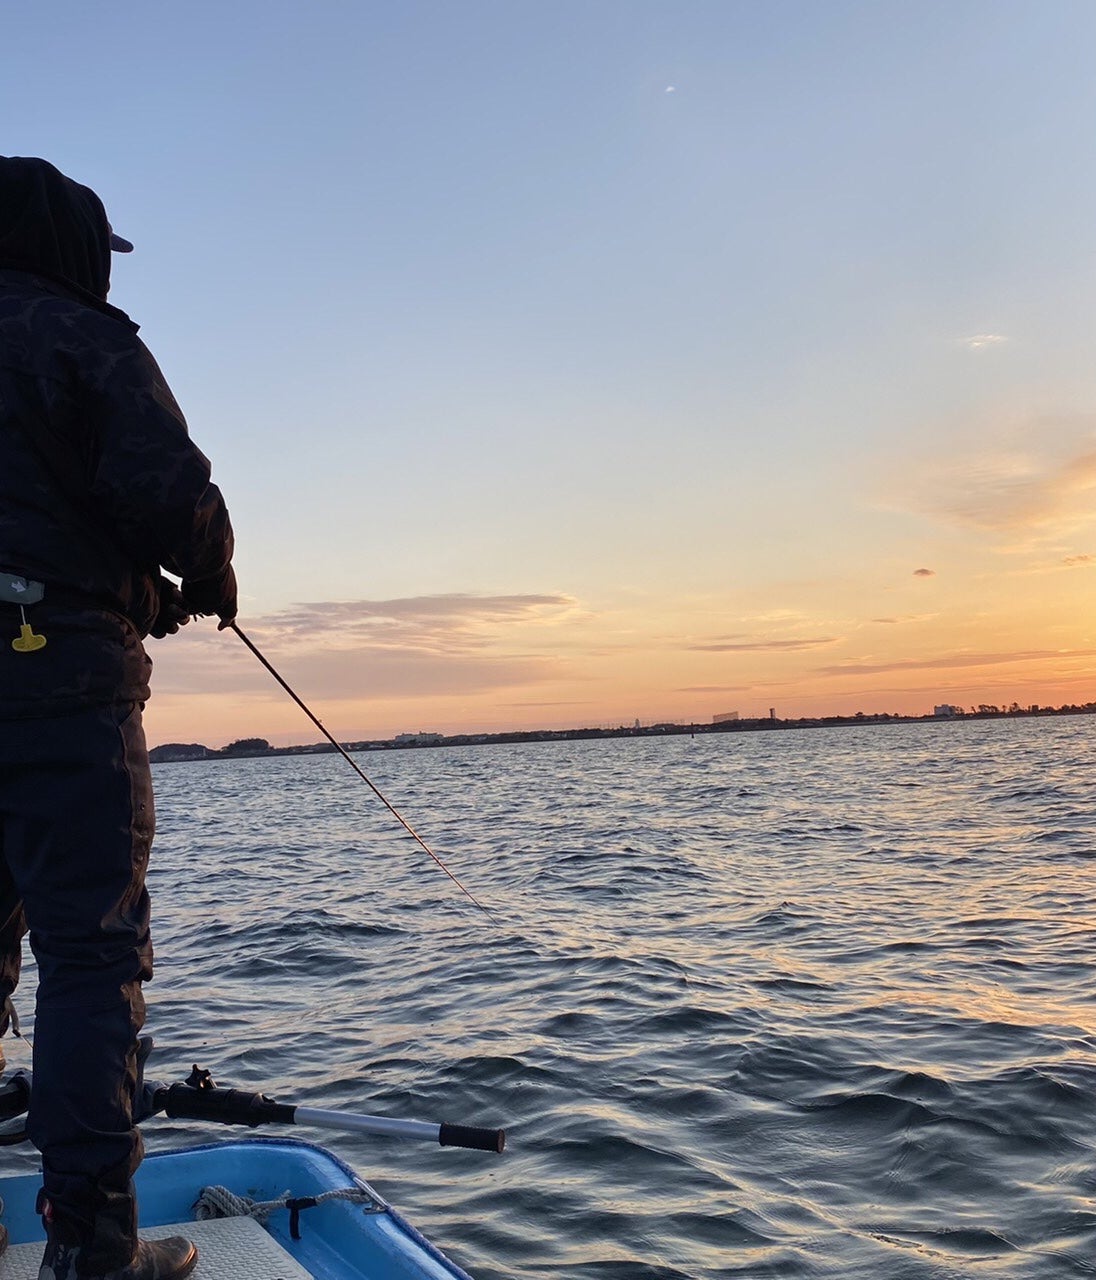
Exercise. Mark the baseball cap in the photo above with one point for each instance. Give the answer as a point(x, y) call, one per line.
point(117, 243)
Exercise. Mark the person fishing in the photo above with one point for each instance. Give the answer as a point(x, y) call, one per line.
point(102, 493)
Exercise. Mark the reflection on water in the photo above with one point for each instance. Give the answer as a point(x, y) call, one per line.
point(804, 1004)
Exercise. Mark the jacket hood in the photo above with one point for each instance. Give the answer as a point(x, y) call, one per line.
point(53, 226)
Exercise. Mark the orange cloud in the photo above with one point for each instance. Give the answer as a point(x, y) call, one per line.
point(1009, 492)
point(766, 646)
point(344, 650)
point(713, 688)
point(449, 621)
point(853, 668)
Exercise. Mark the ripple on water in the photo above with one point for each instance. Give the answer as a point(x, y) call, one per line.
point(810, 1004)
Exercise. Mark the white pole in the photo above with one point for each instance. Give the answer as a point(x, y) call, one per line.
point(366, 1124)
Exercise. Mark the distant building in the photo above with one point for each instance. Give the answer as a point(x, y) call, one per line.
point(724, 716)
point(945, 711)
point(417, 739)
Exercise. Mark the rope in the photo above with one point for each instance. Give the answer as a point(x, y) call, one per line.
point(219, 1202)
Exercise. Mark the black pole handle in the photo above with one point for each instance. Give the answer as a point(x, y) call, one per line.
point(462, 1135)
point(227, 1106)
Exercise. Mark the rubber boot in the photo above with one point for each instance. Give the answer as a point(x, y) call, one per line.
point(170, 1259)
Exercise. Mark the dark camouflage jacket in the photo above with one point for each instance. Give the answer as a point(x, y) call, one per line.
point(100, 484)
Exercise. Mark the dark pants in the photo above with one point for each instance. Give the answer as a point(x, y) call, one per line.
point(76, 825)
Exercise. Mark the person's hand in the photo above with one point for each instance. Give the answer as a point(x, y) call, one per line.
point(204, 596)
point(171, 613)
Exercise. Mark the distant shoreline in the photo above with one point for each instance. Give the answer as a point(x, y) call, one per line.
point(252, 748)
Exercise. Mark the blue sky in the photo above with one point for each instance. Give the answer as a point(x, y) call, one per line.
point(582, 362)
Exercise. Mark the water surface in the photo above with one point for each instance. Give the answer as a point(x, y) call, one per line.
point(809, 1003)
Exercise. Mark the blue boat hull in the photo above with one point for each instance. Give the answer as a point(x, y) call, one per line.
point(339, 1240)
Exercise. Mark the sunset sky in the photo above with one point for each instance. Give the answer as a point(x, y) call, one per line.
point(584, 361)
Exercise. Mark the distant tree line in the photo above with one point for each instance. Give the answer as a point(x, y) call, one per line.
point(246, 747)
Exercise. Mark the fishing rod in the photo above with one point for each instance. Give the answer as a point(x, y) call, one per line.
point(199, 1098)
point(358, 770)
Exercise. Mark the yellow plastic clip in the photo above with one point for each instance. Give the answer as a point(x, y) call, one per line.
point(29, 640)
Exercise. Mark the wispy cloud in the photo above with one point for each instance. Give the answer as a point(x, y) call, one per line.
point(924, 573)
point(1074, 561)
point(424, 645)
point(951, 661)
point(983, 341)
point(713, 688)
point(1008, 492)
point(766, 646)
point(555, 702)
point(786, 618)
point(441, 622)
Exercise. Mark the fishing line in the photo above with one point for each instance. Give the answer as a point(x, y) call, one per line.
point(361, 774)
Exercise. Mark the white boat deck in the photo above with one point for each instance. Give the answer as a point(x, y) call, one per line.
point(228, 1249)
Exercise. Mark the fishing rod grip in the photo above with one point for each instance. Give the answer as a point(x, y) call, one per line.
point(462, 1135)
point(228, 1106)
